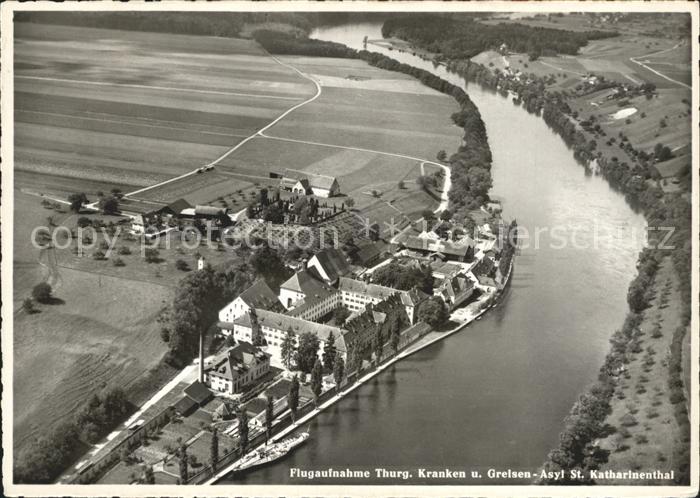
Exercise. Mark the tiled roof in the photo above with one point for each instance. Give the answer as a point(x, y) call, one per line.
point(315, 180)
point(236, 360)
point(259, 295)
point(359, 287)
point(442, 246)
point(333, 262)
point(309, 283)
point(198, 392)
point(283, 322)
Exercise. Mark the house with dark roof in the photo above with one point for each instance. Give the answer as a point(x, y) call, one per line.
point(194, 396)
point(330, 263)
point(236, 368)
point(175, 208)
point(258, 295)
point(369, 254)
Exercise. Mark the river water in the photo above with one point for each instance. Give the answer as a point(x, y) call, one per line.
point(494, 396)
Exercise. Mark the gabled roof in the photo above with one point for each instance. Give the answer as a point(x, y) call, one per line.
point(315, 180)
point(333, 262)
point(285, 323)
point(236, 360)
point(309, 283)
point(198, 392)
point(483, 267)
point(442, 247)
point(413, 297)
point(185, 405)
point(259, 295)
point(359, 287)
point(178, 205)
point(367, 252)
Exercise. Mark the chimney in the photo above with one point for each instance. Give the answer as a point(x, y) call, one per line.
point(201, 357)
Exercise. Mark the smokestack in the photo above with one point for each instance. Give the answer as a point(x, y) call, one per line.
point(201, 357)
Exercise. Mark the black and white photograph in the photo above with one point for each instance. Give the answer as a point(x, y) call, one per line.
point(350, 249)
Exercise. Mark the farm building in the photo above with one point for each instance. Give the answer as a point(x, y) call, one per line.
point(237, 367)
point(209, 212)
point(305, 183)
point(258, 295)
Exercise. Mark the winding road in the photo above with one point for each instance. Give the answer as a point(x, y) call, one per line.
point(444, 198)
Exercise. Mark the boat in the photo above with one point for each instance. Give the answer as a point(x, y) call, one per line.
point(271, 452)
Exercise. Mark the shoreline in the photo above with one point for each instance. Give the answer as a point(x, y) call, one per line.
point(420, 344)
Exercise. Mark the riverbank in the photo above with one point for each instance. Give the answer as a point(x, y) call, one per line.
point(653, 451)
point(422, 343)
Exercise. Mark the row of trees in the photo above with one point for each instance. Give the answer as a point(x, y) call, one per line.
point(461, 36)
point(404, 276)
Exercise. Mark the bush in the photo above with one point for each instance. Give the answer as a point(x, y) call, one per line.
point(118, 262)
point(182, 265)
point(123, 250)
point(28, 306)
point(42, 292)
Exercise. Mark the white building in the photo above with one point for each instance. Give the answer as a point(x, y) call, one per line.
point(274, 328)
point(355, 295)
point(232, 370)
point(305, 284)
point(258, 295)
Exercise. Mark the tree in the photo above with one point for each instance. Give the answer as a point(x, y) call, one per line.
point(269, 415)
point(427, 215)
point(118, 262)
point(349, 202)
point(28, 305)
point(77, 201)
point(377, 347)
point(109, 205)
point(442, 155)
point(338, 371)
point(148, 476)
point(42, 292)
point(242, 428)
point(182, 265)
point(340, 315)
point(183, 464)
point(307, 352)
point(317, 380)
point(433, 311)
point(329, 353)
point(401, 184)
point(395, 336)
point(214, 449)
point(293, 397)
point(662, 153)
point(446, 215)
point(83, 222)
point(288, 349)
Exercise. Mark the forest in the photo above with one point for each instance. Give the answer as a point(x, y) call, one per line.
point(456, 36)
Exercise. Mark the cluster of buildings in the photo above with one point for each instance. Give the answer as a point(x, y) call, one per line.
point(172, 213)
point(306, 301)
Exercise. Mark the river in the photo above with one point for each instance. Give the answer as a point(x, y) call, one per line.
point(494, 395)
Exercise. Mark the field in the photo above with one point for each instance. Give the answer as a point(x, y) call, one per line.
point(641, 402)
point(133, 109)
point(96, 112)
point(610, 58)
